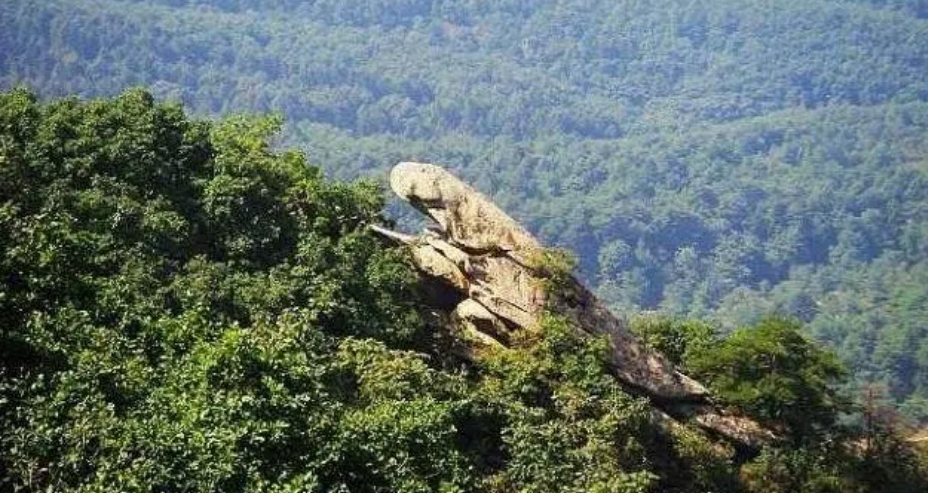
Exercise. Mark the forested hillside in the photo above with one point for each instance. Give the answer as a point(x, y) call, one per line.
point(185, 308)
point(718, 160)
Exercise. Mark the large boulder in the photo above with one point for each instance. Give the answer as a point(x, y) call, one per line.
point(496, 270)
point(470, 220)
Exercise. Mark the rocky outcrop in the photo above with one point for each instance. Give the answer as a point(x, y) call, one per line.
point(493, 272)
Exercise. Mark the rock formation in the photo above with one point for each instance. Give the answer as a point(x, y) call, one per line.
point(492, 272)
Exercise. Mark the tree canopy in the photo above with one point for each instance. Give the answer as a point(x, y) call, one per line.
point(186, 308)
point(717, 160)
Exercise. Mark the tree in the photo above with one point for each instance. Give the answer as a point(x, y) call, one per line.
point(692, 166)
point(678, 340)
point(180, 305)
point(185, 307)
point(774, 373)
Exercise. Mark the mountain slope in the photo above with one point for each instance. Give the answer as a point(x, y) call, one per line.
point(716, 160)
point(185, 308)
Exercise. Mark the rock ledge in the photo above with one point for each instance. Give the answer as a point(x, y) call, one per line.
point(487, 264)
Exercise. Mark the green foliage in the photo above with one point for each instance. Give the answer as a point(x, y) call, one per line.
point(702, 464)
point(555, 266)
point(774, 373)
point(185, 308)
point(568, 426)
point(178, 309)
point(717, 160)
point(806, 470)
point(769, 371)
point(891, 461)
point(678, 340)
point(888, 464)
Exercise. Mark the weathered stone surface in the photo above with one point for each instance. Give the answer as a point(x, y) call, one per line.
point(469, 219)
point(479, 323)
point(631, 361)
point(737, 428)
point(484, 255)
point(481, 240)
point(453, 253)
point(434, 263)
point(509, 286)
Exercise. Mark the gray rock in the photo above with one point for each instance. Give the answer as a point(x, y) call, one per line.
point(479, 324)
point(468, 218)
point(490, 261)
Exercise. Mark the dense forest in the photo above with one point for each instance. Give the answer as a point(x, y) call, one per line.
point(187, 308)
point(714, 160)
